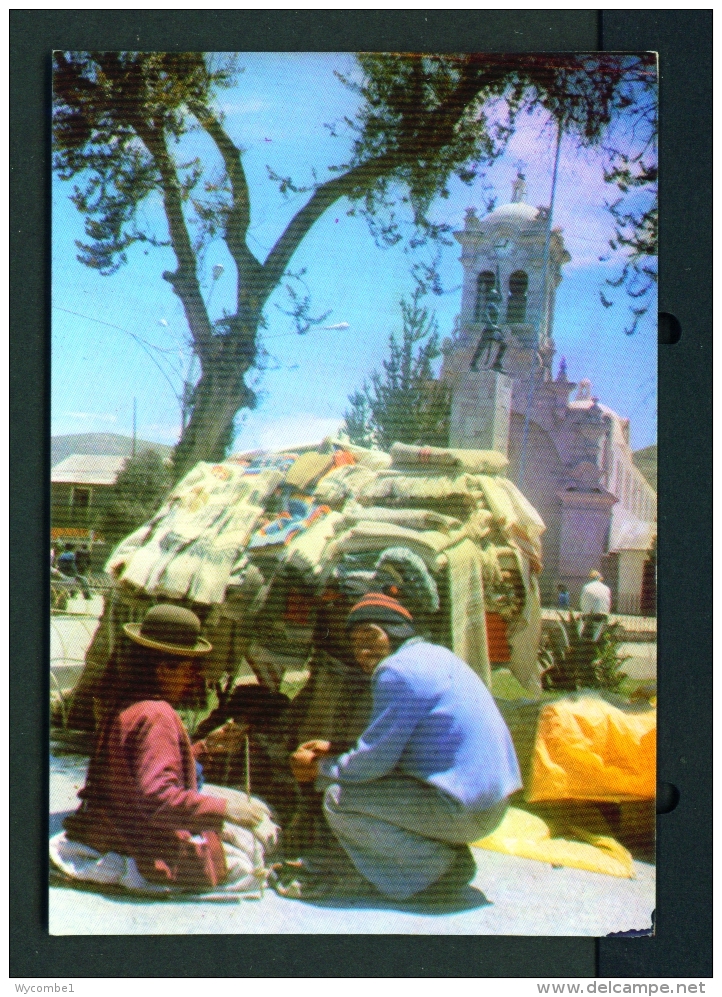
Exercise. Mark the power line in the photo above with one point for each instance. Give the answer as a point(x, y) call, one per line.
point(120, 328)
point(141, 342)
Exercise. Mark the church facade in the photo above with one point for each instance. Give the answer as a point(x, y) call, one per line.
point(568, 452)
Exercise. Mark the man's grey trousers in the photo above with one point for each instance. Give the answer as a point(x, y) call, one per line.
point(402, 834)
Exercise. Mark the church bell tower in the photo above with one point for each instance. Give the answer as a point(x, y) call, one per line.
point(503, 257)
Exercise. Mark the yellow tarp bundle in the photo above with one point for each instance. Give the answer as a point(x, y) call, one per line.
point(587, 749)
point(527, 836)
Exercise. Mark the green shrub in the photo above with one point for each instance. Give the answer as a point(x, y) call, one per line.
point(581, 653)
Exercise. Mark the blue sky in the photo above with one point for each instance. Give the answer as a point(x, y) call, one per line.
point(123, 337)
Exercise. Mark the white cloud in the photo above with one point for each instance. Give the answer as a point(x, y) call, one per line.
point(289, 431)
point(161, 432)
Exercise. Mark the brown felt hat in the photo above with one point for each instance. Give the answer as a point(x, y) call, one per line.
point(172, 629)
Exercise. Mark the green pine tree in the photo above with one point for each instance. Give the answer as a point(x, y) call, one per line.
point(404, 402)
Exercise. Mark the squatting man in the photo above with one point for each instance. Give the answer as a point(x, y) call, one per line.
point(431, 773)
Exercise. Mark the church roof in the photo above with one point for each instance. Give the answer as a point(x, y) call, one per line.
point(618, 421)
point(628, 532)
point(517, 212)
point(587, 403)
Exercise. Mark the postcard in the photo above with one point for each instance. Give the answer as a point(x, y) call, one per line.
point(353, 492)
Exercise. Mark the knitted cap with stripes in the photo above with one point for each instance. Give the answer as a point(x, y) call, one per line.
point(375, 607)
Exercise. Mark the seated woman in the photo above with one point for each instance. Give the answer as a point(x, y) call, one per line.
point(431, 773)
point(142, 823)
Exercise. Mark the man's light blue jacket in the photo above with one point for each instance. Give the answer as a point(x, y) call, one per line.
point(435, 720)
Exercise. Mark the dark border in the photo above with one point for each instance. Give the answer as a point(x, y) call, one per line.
point(683, 942)
point(33, 34)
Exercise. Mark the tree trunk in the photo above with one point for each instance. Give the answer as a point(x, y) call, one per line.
point(220, 393)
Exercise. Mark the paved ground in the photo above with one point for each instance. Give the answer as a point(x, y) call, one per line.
point(509, 896)
point(70, 635)
point(641, 660)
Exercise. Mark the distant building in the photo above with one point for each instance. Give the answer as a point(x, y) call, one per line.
point(568, 453)
point(102, 445)
point(79, 488)
point(83, 468)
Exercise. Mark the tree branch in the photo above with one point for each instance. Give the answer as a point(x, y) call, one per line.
point(304, 219)
point(185, 278)
point(238, 218)
point(440, 127)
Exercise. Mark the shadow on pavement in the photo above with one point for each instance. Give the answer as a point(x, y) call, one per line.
point(469, 898)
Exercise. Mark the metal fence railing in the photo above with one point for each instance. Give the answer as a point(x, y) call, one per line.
point(71, 633)
point(66, 591)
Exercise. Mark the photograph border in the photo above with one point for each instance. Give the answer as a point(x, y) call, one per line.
point(682, 945)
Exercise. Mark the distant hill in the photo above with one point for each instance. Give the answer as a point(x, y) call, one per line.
point(646, 461)
point(101, 444)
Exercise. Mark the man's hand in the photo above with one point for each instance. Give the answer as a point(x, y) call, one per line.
point(305, 759)
point(304, 765)
point(317, 747)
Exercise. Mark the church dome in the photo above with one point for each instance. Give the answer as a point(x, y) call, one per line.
point(517, 213)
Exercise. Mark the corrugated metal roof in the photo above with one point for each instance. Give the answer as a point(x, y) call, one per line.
point(87, 469)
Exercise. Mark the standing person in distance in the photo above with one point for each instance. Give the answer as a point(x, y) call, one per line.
point(595, 603)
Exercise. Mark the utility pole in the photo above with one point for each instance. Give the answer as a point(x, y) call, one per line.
point(135, 413)
point(545, 316)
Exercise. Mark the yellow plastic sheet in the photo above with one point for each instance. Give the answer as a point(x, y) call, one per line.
point(527, 836)
point(587, 749)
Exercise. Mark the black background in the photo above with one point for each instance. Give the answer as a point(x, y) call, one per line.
point(682, 946)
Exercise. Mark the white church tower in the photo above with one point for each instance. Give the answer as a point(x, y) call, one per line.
point(569, 455)
point(506, 251)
